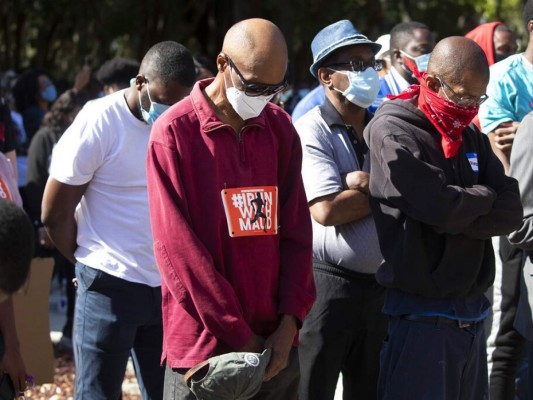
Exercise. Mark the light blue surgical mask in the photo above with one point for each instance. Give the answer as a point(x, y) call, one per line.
point(156, 109)
point(363, 87)
point(49, 94)
point(420, 61)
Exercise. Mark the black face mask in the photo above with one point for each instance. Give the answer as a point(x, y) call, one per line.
point(500, 57)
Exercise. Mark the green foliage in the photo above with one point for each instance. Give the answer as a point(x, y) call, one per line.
point(60, 35)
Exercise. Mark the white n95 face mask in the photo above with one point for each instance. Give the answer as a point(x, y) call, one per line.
point(363, 88)
point(245, 106)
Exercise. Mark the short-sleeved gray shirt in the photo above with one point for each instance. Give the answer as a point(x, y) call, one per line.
point(327, 155)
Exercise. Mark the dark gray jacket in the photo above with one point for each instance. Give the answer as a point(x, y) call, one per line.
point(435, 216)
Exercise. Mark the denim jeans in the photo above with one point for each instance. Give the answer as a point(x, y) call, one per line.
point(114, 319)
point(283, 386)
point(426, 361)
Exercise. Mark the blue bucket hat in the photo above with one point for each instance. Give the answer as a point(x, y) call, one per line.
point(333, 37)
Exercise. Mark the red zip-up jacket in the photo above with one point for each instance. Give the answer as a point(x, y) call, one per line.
point(217, 289)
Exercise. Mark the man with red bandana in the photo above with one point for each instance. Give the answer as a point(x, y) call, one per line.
point(438, 194)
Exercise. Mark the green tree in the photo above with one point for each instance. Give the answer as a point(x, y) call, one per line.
point(60, 35)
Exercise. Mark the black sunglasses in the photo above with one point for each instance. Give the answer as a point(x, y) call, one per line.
point(358, 65)
point(257, 89)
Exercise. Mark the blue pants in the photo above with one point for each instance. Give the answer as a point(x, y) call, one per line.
point(439, 361)
point(113, 319)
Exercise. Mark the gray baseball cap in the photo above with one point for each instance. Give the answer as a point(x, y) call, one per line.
point(231, 376)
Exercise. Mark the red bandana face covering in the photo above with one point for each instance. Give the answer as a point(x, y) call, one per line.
point(447, 117)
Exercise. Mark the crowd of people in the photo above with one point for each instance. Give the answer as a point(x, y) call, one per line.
point(237, 245)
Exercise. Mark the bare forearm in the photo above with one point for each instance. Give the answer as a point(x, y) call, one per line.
point(12, 361)
point(64, 237)
point(280, 341)
point(289, 321)
point(7, 323)
point(340, 208)
point(504, 157)
point(62, 229)
point(353, 206)
point(58, 215)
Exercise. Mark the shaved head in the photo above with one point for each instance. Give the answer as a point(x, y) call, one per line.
point(253, 60)
point(455, 58)
point(257, 46)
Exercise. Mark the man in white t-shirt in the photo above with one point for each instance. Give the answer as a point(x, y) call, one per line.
point(95, 209)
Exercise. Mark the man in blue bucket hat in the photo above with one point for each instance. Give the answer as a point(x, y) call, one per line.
point(345, 327)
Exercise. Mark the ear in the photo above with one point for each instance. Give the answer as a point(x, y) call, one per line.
point(140, 80)
point(222, 62)
point(530, 27)
point(432, 83)
point(324, 76)
point(396, 55)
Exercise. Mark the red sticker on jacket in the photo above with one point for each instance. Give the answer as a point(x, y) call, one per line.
point(251, 211)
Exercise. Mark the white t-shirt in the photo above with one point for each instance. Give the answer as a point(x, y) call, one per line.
point(106, 146)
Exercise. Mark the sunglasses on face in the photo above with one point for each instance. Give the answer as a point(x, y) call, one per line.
point(358, 65)
point(256, 89)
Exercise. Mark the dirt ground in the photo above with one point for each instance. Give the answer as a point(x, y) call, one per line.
point(63, 386)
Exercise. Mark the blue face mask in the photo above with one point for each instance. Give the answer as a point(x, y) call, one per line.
point(49, 94)
point(363, 87)
point(420, 61)
point(156, 109)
